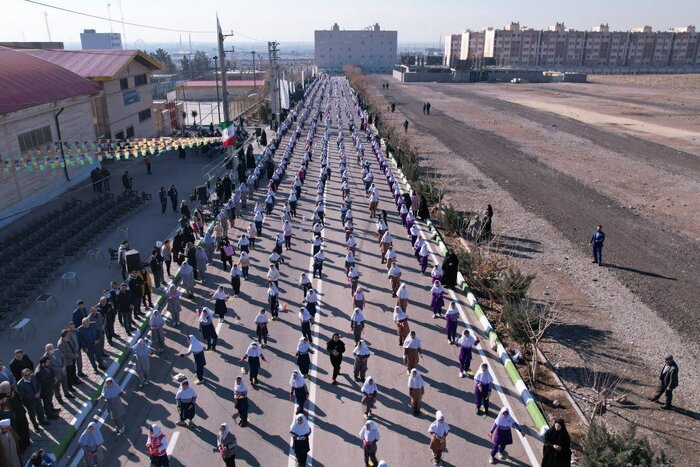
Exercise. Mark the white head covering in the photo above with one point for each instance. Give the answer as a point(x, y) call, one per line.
point(219, 294)
point(424, 250)
point(437, 288)
point(357, 316)
point(88, 438)
point(261, 318)
point(8, 422)
point(300, 429)
point(183, 393)
point(225, 432)
point(361, 349)
point(369, 432)
point(296, 381)
point(399, 314)
point(195, 345)
point(206, 315)
point(239, 387)
point(467, 338)
point(412, 342)
point(253, 350)
point(369, 386)
point(403, 291)
point(303, 346)
point(415, 380)
point(273, 290)
point(504, 420)
point(439, 427)
point(483, 377)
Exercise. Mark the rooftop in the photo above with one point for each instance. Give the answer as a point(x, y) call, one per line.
point(98, 65)
point(28, 81)
point(229, 84)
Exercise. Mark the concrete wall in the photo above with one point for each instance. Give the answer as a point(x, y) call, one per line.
point(122, 116)
point(22, 190)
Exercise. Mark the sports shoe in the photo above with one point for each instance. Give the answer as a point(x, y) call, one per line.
point(462, 375)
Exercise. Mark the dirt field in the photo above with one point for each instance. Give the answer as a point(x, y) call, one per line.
point(554, 161)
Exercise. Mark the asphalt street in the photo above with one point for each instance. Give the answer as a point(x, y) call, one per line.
point(334, 411)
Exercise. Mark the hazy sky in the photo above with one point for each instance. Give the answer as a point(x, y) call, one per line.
point(415, 20)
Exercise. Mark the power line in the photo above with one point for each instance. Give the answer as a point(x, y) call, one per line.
point(122, 22)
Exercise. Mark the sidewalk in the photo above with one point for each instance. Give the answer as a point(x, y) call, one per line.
point(145, 226)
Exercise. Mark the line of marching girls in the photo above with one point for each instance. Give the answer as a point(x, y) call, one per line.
point(442, 277)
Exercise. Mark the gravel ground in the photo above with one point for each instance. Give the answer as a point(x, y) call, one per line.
point(544, 216)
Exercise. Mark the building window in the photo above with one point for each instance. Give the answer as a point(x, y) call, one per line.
point(140, 80)
point(120, 135)
point(35, 138)
point(130, 132)
point(144, 115)
point(124, 83)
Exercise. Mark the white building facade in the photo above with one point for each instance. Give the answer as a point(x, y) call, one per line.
point(371, 49)
point(91, 39)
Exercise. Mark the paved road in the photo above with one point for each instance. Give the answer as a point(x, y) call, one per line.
point(658, 264)
point(334, 411)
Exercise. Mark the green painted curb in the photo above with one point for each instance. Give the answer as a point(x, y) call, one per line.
point(64, 441)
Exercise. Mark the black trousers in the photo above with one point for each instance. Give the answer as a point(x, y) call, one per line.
point(661, 391)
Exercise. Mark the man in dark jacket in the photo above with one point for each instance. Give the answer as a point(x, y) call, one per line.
point(668, 381)
point(127, 182)
point(70, 353)
point(29, 392)
point(57, 362)
point(106, 309)
point(172, 193)
point(79, 313)
point(19, 363)
point(124, 307)
point(135, 284)
point(87, 335)
point(47, 381)
point(597, 240)
point(97, 322)
point(163, 196)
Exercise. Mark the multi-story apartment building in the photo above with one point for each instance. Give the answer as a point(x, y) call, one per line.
point(91, 39)
point(371, 49)
point(558, 48)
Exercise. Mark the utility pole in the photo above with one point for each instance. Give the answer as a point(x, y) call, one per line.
point(221, 37)
point(274, 81)
point(48, 31)
point(254, 83)
point(216, 77)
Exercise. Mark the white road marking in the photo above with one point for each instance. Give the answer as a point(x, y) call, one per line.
point(171, 443)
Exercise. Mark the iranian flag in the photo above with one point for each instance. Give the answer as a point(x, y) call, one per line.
point(228, 133)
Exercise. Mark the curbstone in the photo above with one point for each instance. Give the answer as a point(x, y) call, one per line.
point(531, 406)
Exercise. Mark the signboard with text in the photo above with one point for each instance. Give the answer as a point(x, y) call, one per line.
point(131, 96)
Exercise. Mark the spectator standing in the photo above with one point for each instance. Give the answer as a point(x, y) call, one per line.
point(47, 381)
point(668, 381)
point(70, 354)
point(597, 240)
point(58, 365)
point(111, 393)
point(87, 336)
point(91, 442)
point(127, 182)
point(19, 363)
point(172, 193)
point(29, 392)
point(163, 197)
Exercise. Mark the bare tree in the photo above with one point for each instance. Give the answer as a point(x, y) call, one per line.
point(601, 388)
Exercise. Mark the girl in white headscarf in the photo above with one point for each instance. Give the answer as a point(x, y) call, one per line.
point(261, 330)
point(111, 393)
point(423, 255)
point(501, 434)
point(226, 443)
point(361, 353)
point(354, 279)
point(412, 351)
point(298, 390)
point(401, 321)
point(187, 275)
point(452, 322)
point(185, 398)
point(311, 302)
point(483, 383)
point(416, 389)
point(402, 294)
point(466, 341)
point(390, 257)
point(206, 327)
point(303, 355)
point(220, 298)
point(197, 350)
point(300, 431)
point(91, 442)
point(369, 435)
point(142, 353)
point(358, 298)
point(437, 292)
point(273, 295)
point(253, 354)
point(157, 445)
point(240, 400)
point(174, 306)
point(369, 396)
point(438, 430)
point(357, 324)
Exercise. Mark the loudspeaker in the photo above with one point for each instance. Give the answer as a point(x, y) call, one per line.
point(133, 260)
point(202, 194)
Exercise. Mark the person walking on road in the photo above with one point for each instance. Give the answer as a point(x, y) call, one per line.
point(335, 348)
point(416, 389)
point(157, 445)
point(236, 274)
point(91, 442)
point(394, 275)
point(437, 300)
point(163, 197)
point(597, 240)
point(127, 182)
point(305, 322)
point(157, 323)
point(557, 446)
point(357, 324)
point(402, 296)
point(450, 267)
point(362, 354)
point(226, 444)
point(412, 351)
point(253, 354)
point(174, 307)
point(240, 401)
point(311, 302)
point(668, 381)
point(172, 194)
point(369, 435)
point(501, 435)
point(483, 383)
point(187, 276)
point(143, 366)
point(220, 297)
point(358, 298)
point(197, 350)
point(405, 126)
point(185, 399)
point(261, 331)
point(111, 393)
point(369, 396)
point(438, 431)
point(427, 108)
point(401, 321)
point(147, 160)
point(303, 355)
point(298, 390)
point(452, 322)
point(466, 342)
point(300, 431)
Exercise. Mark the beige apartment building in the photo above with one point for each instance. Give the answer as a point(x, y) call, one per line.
point(559, 48)
point(124, 110)
point(371, 49)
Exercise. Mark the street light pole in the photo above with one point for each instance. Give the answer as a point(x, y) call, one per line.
point(216, 77)
point(60, 142)
point(254, 82)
